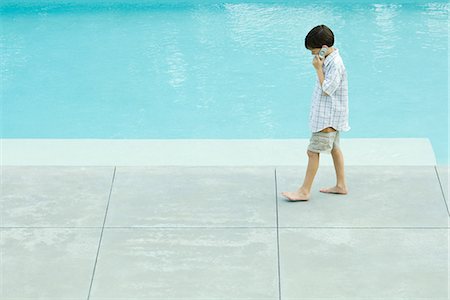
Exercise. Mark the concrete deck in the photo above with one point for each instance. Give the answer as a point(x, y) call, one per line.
point(223, 232)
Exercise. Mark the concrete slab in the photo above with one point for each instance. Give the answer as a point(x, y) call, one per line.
point(54, 196)
point(193, 196)
point(215, 263)
point(364, 264)
point(209, 152)
point(47, 263)
point(378, 197)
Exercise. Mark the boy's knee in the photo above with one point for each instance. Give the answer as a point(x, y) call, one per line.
point(335, 150)
point(312, 154)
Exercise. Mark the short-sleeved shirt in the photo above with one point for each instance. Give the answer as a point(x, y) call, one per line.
point(330, 109)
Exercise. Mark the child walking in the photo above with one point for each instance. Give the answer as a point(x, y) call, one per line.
point(329, 112)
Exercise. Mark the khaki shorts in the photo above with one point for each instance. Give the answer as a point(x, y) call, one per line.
point(323, 142)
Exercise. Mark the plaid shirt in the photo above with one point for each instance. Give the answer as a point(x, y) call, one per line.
point(332, 110)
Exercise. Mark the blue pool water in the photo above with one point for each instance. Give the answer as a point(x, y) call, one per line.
point(218, 69)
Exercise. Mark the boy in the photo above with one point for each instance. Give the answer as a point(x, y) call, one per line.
point(329, 112)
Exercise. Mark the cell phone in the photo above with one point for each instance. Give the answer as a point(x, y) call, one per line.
point(323, 51)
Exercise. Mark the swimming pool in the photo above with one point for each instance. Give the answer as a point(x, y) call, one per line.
point(218, 70)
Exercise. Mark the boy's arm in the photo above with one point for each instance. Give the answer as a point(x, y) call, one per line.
point(320, 75)
point(330, 82)
point(318, 63)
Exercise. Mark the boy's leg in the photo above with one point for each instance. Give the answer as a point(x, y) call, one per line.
point(313, 165)
point(341, 185)
point(303, 193)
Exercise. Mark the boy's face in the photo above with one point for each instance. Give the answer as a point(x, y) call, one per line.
point(314, 51)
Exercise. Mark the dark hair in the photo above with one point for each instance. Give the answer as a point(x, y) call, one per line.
point(319, 36)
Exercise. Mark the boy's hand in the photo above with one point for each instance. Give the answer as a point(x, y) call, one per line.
point(317, 62)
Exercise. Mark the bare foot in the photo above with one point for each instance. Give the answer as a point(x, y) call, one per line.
point(296, 196)
point(335, 190)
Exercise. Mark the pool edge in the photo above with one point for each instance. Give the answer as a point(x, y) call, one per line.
point(208, 152)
